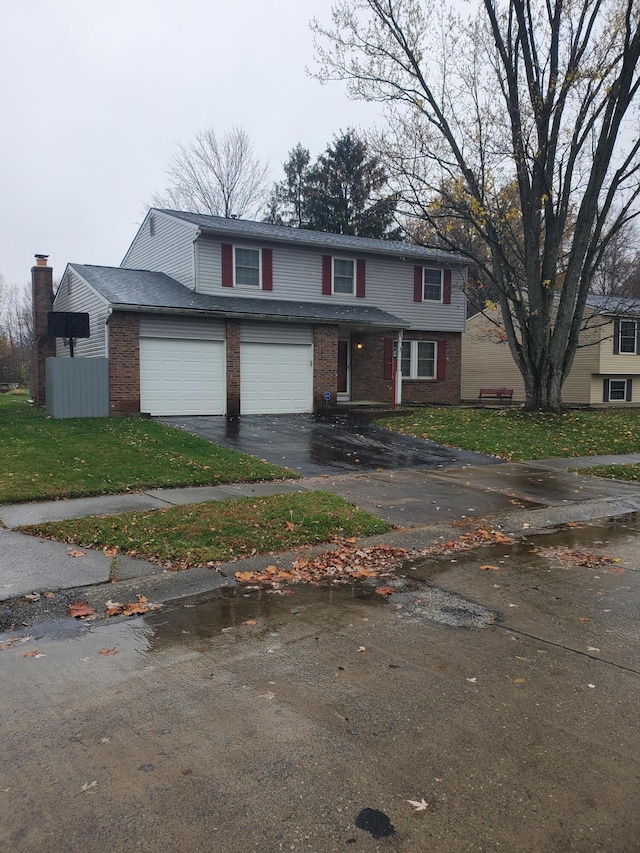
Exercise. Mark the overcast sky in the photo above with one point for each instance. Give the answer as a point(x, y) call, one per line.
point(95, 96)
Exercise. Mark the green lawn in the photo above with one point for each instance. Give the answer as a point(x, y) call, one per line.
point(42, 458)
point(514, 434)
point(217, 531)
point(614, 472)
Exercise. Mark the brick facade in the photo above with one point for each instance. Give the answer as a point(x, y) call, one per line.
point(440, 391)
point(233, 368)
point(124, 363)
point(367, 371)
point(44, 346)
point(325, 366)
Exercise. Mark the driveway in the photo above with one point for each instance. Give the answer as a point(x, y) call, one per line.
point(314, 445)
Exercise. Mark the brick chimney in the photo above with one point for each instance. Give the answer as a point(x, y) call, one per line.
point(44, 346)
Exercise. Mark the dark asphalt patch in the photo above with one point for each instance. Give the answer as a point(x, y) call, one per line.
point(442, 607)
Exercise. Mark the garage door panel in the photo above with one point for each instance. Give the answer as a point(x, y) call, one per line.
point(275, 378)
point(182, 377)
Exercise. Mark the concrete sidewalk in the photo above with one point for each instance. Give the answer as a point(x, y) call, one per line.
point(518, 496)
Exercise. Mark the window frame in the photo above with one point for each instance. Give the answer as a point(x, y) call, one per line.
point(351, 261)
point(625, 384)
point(425, 284)
point(622, 351)
point(413, 360)
point(236, 283)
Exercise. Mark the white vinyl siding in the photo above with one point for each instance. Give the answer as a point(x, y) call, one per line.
point(182, 377)
point(169, 250)
point(159, 326)
point(74, 294)
point(297, 274)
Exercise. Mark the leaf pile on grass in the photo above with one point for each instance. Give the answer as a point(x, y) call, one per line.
point(43, 458)
point(516, 435)
point(205, 534)
point(343, 564)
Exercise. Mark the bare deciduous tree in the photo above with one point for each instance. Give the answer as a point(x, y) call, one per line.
point(531, 94)
point(218, 176)
point(16, 333)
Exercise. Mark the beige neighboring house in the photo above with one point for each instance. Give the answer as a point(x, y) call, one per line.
point(605, 371)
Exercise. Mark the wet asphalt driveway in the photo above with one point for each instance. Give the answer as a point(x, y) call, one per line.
point(313, 445)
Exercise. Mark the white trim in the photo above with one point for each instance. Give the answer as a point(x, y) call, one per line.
point(399, 371)
point(438, 270)
point(413, 369)
point(253, 287)
point(352, 261)
point(345, 396)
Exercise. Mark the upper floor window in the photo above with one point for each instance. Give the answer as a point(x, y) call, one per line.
point(432, 284)
point(627, 336)
point(418, 360)
point(247, 266)
point(343, 276)
point(152, 226)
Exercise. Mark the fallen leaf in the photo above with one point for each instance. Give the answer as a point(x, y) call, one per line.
point(519, 680)
point(33, 596)
point(15, 641)
point(75, 552)
point(362, 649)
point(442, 668)
point(289, 525)
point(111, 551)
point(616, 570)
point(385, 590)
point(585, 619)
point(88, 785)
point(80, 609)
point(49, 594)
point(35, 654)
point(472, 680)
point(592, 649)
point(591, 685)
point(107, 652)
point(493, 568)
point(251, 622)
point(420, 805)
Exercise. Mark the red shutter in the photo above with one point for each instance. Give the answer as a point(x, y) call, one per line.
point(442, 360)
point(446, 290)
point(388, 358)
point(326, 275)
point(361, 275)
point(267, 269)
point(417, 284)
point(227, 265)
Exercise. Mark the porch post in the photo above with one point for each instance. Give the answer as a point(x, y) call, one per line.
point(398, 398)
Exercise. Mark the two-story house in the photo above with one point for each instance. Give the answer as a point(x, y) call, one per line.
point(604, 368)
point(208, 315)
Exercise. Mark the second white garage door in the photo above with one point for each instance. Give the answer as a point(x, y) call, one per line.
point(182, 377)
point(275, 378)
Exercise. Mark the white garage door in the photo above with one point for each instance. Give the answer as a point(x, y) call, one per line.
point(182, 377)
point(275, 378)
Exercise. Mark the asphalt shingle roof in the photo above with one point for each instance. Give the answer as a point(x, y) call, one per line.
point(139, 289)
point(321, 239)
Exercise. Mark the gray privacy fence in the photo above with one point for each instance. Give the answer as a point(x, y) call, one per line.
point(78, 387)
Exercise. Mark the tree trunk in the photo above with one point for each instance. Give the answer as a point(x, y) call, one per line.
point(543, 390)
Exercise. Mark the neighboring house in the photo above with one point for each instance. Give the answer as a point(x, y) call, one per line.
point(208, 315)
point(605, 371)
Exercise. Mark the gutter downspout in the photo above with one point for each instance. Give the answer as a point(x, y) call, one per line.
point(194, 261)
point(106, 332)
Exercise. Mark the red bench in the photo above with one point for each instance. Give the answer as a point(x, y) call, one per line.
point(499, 394)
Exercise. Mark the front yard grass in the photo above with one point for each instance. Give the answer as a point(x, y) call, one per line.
point(614, 472)
point(219, 531)
point(516, 435)
point(42, 458)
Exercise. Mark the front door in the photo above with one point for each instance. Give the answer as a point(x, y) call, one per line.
point(344, 369)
